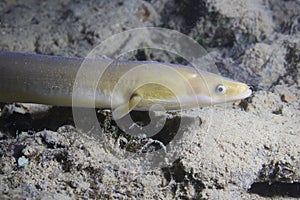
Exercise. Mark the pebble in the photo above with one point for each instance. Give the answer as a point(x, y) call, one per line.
point(288, 98)
point(22, 161)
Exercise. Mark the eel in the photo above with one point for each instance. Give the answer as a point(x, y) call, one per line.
point(122, 86)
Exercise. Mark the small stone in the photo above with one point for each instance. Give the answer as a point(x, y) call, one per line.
point(22, 161)
point(32, 151)
point(288, 98)
point(55, 139)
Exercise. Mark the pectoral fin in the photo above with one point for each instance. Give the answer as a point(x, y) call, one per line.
point(125, 108)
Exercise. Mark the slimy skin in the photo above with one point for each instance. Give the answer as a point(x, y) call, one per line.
point(122, 87)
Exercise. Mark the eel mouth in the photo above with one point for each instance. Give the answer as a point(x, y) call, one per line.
point(244, 94)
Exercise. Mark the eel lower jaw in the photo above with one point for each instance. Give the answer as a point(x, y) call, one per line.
point(245, 94)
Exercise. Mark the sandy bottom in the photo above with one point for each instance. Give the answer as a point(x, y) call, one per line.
point(243, 150)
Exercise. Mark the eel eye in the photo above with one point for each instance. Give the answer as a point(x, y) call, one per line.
point(220, 89)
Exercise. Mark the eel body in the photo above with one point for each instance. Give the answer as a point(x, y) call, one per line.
point(120, 85)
